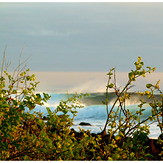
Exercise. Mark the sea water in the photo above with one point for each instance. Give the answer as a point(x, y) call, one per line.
point(95, 113)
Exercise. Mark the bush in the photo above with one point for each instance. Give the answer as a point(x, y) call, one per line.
point(26, 136)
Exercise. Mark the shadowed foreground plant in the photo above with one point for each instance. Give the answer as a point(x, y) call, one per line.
point(26, 136)
point(122, 123)
point(19, 130)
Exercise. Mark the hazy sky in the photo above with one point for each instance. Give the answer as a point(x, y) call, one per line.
point(82, 37)
point(90, 81)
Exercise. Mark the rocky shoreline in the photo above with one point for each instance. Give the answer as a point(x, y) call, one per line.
point(153, 147)
point(152, 143)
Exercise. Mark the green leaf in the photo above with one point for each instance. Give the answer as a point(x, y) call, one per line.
point(148, 155)
point(130, 75)
point(19, 147)
point(25, 157)
point(49, 111)
point(148, 85)
point(142, 63)
point(5, 106)
point(109, 73)
point(136, 63)
point(139, 59)
point(111, 85)
point(149, 67)
point(103, 102)
point(5, 145)
point(110, 159)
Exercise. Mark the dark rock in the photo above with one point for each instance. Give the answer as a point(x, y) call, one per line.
point(53, 129)
point(85, 124)
point(72, 131)
point(44, 118)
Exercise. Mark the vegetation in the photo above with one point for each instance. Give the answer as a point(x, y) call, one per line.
point(26, 136)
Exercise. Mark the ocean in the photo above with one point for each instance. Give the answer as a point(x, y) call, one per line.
point(94, 111)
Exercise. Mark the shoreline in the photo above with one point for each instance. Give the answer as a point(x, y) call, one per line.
point(152, 146)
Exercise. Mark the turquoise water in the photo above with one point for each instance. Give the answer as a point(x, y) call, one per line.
point(94, 112)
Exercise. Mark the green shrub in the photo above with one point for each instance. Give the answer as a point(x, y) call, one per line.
point(121, 128)
point(26, 136)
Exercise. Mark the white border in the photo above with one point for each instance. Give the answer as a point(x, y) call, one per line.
point(76, 1)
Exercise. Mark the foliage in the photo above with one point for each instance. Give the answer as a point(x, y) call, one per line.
point(26, 136)
point(130, 124)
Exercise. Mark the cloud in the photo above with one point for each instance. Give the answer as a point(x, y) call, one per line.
point(47, 32)
point(83, 36)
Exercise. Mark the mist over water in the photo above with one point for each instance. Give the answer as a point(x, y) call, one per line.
point(94, 112)
point(91, 82)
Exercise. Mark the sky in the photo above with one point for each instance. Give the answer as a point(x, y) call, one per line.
point(82, 37)
point(82, 82)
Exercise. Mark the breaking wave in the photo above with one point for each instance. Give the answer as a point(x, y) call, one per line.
point(95, 112)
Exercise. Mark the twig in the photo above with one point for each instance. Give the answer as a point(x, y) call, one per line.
point(3, 62)
point(104, 130)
